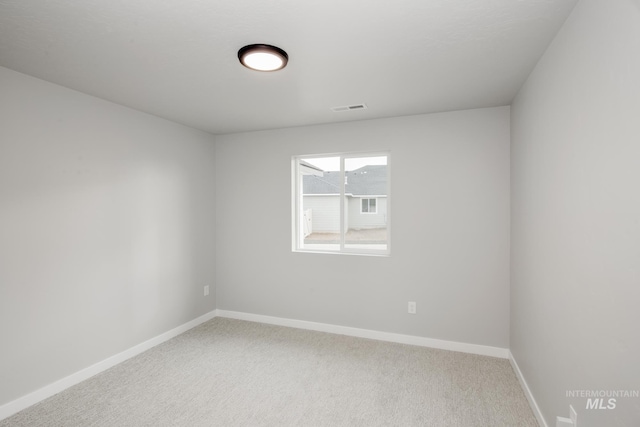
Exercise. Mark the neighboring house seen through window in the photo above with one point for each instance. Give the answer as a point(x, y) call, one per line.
point(341, 203)
point(368, 206)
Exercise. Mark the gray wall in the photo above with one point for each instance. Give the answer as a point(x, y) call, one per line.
point(106, 230)
point(449, 221)
point(575, 295)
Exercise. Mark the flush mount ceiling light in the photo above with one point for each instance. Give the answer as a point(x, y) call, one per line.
point(263, 57)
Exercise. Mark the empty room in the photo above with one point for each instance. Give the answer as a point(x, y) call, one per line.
point(304, 213)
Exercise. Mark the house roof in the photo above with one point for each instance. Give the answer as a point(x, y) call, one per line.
point(309, 169)
point(365, 181)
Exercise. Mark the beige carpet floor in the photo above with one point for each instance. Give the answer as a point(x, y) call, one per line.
point(235, 373)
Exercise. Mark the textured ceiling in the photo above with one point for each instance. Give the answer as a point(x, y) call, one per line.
point(178, 59)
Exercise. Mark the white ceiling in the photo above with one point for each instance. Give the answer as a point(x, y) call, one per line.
point(177, 59)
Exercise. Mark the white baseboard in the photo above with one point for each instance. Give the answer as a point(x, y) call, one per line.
point(527, 392)
point(45, 392)
point(367, 333)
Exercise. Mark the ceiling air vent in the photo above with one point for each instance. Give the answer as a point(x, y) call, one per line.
point(349, 108)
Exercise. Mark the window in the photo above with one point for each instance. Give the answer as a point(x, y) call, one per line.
point(341, 203)
point(368, 206)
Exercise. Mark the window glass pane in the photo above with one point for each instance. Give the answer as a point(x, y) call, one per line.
point(366, 228)
point(327, 164)
point(320, 203)
point(341, 203)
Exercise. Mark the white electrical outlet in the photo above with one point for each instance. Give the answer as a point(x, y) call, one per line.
point(411, 307)
point(206, 290)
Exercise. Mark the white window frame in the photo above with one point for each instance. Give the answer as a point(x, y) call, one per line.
point(368, 212)
point(297, 216)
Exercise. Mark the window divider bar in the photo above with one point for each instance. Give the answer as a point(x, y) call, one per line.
point(342, 204)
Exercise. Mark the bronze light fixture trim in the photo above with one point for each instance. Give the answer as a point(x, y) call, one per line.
point(263, 57)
